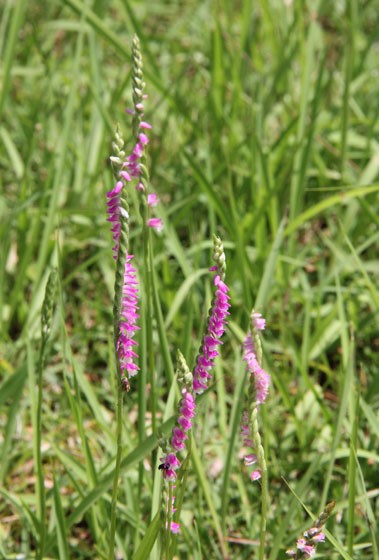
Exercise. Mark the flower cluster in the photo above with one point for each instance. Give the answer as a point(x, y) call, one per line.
point(135, 163)
point(261, 377)
point(129, 169)
point(114, 210)
point(133, 168)
point(250, 459)
point(191, 385)
point(127, 324)
point(259, 382)
point(306, 544)
point(170, 463)
point(186, 411)
point(174, 526)
point(212, 340)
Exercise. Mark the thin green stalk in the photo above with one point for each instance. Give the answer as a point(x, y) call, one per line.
point(120, 395)
point(168, 525)
point(264, 508)
point(148, 364)
point(352, 471)
point(264, 486)
point(150, 310)
point(46, 319)
point(144, 179)
point(40, 483)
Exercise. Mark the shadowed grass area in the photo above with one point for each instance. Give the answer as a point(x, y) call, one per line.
point(265, 132)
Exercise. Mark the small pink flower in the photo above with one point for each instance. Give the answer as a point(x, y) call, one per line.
point(178, 439)
point(175, 527)
point(259, 321)
point(152, 200)
point(255, 475)
point(145, 125)
point(125, 175)
point(308, 549)
point(155, 223)
point(320, 537)
point(169, 465)
point(250, 459)
point(143, 138)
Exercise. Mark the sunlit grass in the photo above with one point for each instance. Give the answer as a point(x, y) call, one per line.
point(265, 132)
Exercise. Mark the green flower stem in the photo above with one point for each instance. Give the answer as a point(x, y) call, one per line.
point(138, 100)
point(120, 395)
point(149, 278)
point(39, 466)
point(147, 372)
point(264, 486)
point(258, 444)
point(46, 320)
point(169, 519)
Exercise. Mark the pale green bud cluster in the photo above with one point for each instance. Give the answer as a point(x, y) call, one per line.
point(219, 256)
point(183, 372)
point(119, 155)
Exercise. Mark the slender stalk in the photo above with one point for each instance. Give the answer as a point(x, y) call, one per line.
point(259, 382)
point(169, 519)
point(46, 320)
point(150, 310)
point(138, 102)
point(352, 471)
point(120, 395)
point(148, 363)
point(39, 466)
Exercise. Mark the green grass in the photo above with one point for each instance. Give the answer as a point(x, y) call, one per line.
point(266, 132)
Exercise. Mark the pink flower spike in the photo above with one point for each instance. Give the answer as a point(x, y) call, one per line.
point(128, 319)
point(155, 223)
point(152, 199)
point(212, 339)
point(145, 125)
